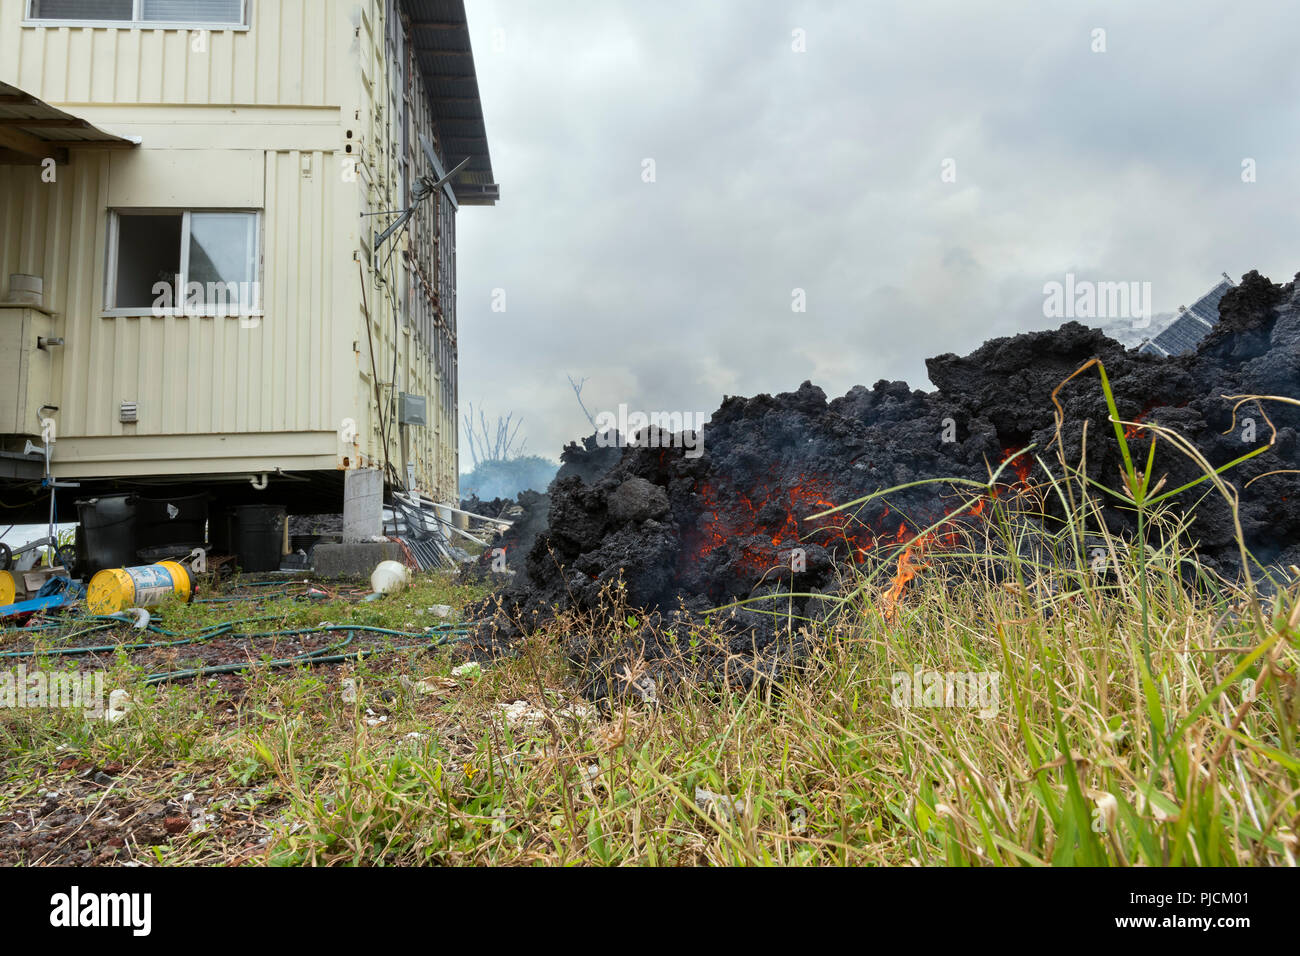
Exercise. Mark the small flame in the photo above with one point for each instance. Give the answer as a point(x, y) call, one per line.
point(906, 572)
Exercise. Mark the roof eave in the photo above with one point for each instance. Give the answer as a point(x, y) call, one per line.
point(32, 131)
point(439, 33)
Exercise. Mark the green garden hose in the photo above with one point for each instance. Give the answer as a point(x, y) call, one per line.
point(225, 629)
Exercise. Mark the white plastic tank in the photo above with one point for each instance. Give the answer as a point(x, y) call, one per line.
point(389, 577)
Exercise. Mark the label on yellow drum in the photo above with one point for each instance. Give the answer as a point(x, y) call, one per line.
point(152, 584)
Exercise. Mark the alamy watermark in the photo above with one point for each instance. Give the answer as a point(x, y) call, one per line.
point(42, 690)
point(1085, 299)
point(75, 909)
point(634, 430)
point(214, 299)
point(973, 690)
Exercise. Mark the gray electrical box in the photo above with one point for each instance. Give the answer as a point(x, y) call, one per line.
point(412, 409)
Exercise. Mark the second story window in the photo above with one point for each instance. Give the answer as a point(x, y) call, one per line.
point(183, 263)
point(211, 13)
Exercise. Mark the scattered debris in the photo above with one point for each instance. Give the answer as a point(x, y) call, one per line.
point(724, 806)
point(425, 688)
point(119, 704)
point(138, 617)
point(521, 715)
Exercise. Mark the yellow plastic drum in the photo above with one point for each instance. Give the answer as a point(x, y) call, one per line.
point(117, 589)
point(7, 589)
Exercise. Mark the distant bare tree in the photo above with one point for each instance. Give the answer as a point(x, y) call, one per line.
point(577, 390)
point(492, 443)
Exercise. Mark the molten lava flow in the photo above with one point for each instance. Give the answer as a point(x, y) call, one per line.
point(1132, 431)
point(1021, 466)
point(753, 528)
point(757, 523)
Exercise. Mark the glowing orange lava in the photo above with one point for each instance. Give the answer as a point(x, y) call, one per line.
point(1022, 466)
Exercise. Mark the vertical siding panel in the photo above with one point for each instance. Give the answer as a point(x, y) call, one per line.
point(322, 317)
point(151, 66)
point(182, 61)
point(294, 318)
point(126, 369)
point(289, 237)
point(225, 400)
point(242, 399)
point(76, 350)
point(76, 81)
point(30, 228)
point(126, 66)
point(264, 54)
point(220, 57)
point(289, 69)
point(54, 247)
point(191, 331)
point(201, 393)
point(244, 63)
point(170, 375)
point(85, 339)
point(100, 74)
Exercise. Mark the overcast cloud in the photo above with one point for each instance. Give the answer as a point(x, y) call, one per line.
point(821, 170)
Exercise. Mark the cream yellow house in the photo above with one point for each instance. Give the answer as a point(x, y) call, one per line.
point(191, 193)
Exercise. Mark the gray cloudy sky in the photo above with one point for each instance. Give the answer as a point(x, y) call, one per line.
point(821, 170)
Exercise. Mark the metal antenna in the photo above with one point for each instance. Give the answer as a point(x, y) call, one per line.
point(424, 188)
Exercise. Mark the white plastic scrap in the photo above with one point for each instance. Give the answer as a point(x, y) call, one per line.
point(119, 702)
point(471, 670)
point(725, 805)
point(423, 688)
point(645, 689)
point(520, 714)
point(349, 690)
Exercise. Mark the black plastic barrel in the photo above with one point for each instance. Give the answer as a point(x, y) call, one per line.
point(177, 523)
point(108, 533)
point(221, 531)
point(259, 537)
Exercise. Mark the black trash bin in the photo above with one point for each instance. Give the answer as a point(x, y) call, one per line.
point(259, 537)
point(107, 536)
point(166, 526)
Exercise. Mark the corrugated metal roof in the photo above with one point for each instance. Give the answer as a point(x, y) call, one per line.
point(1186, 331)
point(440, 34)
point(31, 129)
point(1207, 306)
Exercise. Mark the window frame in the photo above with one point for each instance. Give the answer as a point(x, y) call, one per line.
point(138, 23)
point(256, 310)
